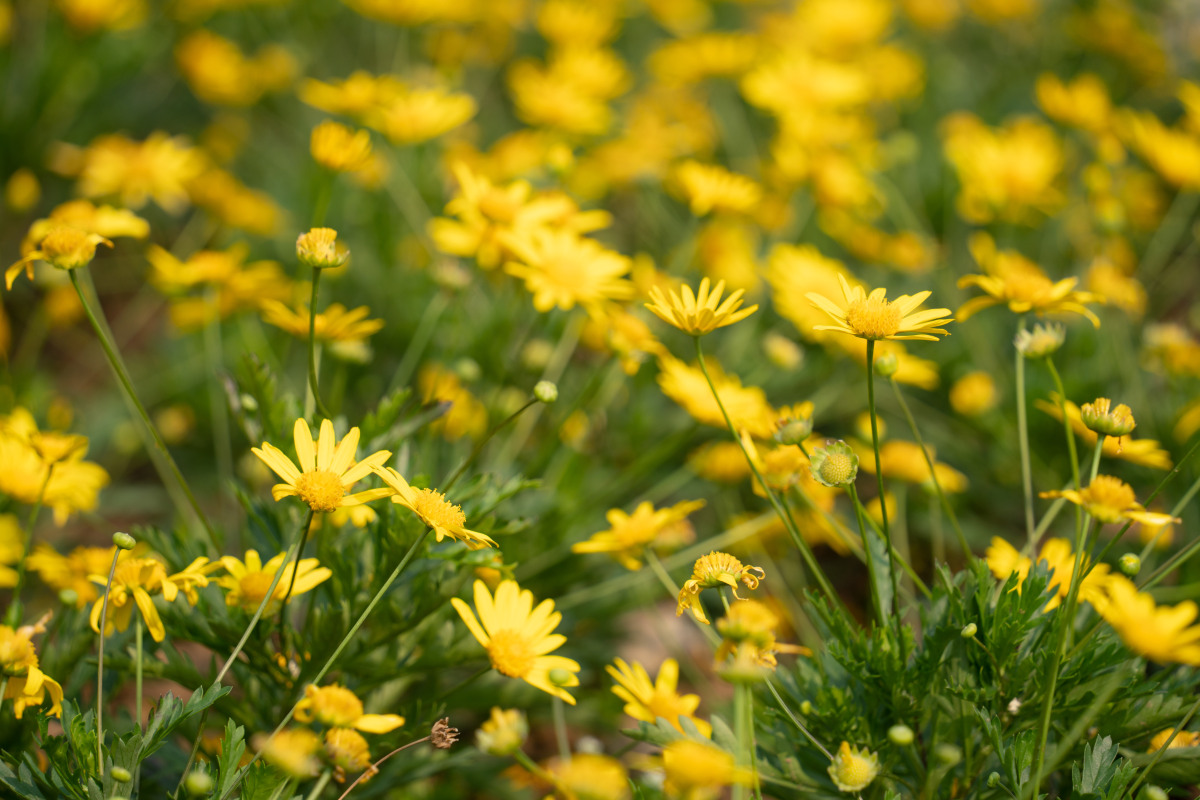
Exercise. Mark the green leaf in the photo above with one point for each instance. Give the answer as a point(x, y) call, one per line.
point(1099, 767)
point(233, 745)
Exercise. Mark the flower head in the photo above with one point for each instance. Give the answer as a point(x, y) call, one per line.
point(698, 770)
point(1163, 634)
point(564, 269)
point(873, 317)
point(503, 733)
point(336, 706)
point(334, 324)
point(326, 472)
point(1042, 341)
point(1146, 452)
point(698, 313)
point(347, 750)
point(247, 583)
point(1014, 280)
point(712, 571)
point(1101, 418)
point(319, 249)
point(1181, 739)
point(433, 509)
point(293, 751)
point(135, 583)
point(836, 464)
point(518, 637)
point(1003, 559)
point(25, 684)
point(710, 187)
point(631, 535)
point(338, 148)
point(853, 769)
point(588, 776)
point(1109, 500)
point(648, 701)
point(63, 247)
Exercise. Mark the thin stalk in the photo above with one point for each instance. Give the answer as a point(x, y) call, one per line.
point(421, 337)
point(528, 763)
point(164, 462)
point(740, 699)
point(1174, 224)
point(371, 770)
point(788, 523)
point(1183, 502)
point(883, 515)
point(458, 473)
point(387, 584)
point(13, 618)
point(1070, 432)
point(560, 729)
point(937, 485)
point(1023, 440)
point(320, 785)
point(137, 668)
point(312, 346)
point(284, 632)
point(799, 725)
point(112, 570)
point(876, 602)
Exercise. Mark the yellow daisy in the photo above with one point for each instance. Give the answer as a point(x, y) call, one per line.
point(1163, 634)
point(334, 324)
point(873, 317)
point(518, 637)
point(695, 770)
point(326, 472)
point(713, 571)
point(24, 681)
point(631, 535)
point(433, 509)
point(698, 313)
point(564, 269)
point(63, 247)
point(1109, 500)
point(248, 581)
point(648, 701)
point(134, 584)
point(337, 707)
point(1147, 452)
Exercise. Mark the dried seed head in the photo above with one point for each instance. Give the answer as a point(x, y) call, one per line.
point(443, 736)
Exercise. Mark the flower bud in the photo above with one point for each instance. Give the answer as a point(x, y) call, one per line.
point(794, 424)
point(969, 630)
point(1130, 564)
point(1042, 341)
point(886, 365)
point(993, 780)
point(68, 597)
point(901, 735)
point(121, 775)
point(834, 465)
point(124, 541)
point(198, 783)
point(560, 677)
point(806, 708)
point(1101, 417)
point(319, 249)
point(949, 754)
point(1154, 793)
point(545, 392)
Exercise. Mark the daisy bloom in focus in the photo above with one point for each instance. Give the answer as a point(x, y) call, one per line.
point(337, 707)
point(853, 769)
point(700, 313)
point(1012, 279)
point(134, 583)
point(327, 470)
point(1163, 634)
point(873, 317)
point(518, 637)
point(432, 508)
point(713, 571)
point(648, 701)
point(1109, 500)
point(24, 683)
point(631, 535)
point(62, 247)
point(247, 582)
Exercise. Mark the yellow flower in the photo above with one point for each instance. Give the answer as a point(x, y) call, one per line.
point(518, 637)
point(1083, 103)
point(213, 284)
point(713, 571)
point(1146, 452)
point(73, 571)
point(417, 115)
point(503, 733)
point(874, 317)
point(334, 324)
point(248, 581)
point(319, 248)
point(905, 461)
point(336, 706)
point(575, 22)
point(546, 97)
point(339, 149)
point(12, 547)
point(696, 770)
point(1042, 341)
point(62, 247)
point(631, 535)
point(1172, 153)
point(25, 684)
point(1016, 281)
point(648, 701)
point(711, 54)
point(711, 187)
point(161, 167)
point(219, 73)
point(747, 405)
point(1160, 633)
point(699, 313)
point(465, 414)
point(82, 215)
point(88, 16)
point(1003, 560)
point(347, 750)
point(853, 769)
point(326, 472)
point(588, 776)
point(1110, 282)
point(292, 751)
point(73, 483)
point(233, 203)
point(564, 269)
point(134, 583)
point(973, 394)
point(1171, 348)
point(1109, 500)
point(434, 510)
point(1182, 739)
point(1100, 417)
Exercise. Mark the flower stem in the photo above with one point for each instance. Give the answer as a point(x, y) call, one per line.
point(1023, 441)
point(137, 669)
point(1070, 432)
point(788, 523)
point(312, 346)
point(937, 485)
point(560, 729)
point(112, 570)
point(799, 725)
point(371, 770)
point(320, 785)
point(160, 455)
point(13, 617)
point(284, 631)
point(387, 584)
point(741, 699)
point(883, 515)
point(880, 613)
point(458, 473)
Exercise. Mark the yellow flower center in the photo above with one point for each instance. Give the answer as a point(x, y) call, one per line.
point(1027, 286)
point(511, 653)
point(854, 770)
point(337, 706)
point(254, 587)
point(16, 653)
point(321, 490)
point(710, 568)
point(837, 468)
point(1107, 498)
point(68, 248)
point(873, 318)
point(432, 506)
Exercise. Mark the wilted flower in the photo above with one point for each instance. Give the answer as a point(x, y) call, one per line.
point(713, 571)
point(853, 769)
point(319, 249)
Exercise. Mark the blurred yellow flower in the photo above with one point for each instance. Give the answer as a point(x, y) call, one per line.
point(747, 406)
point(327, 468)
point(12, 547)
point(1163, 634)
point(24, 682)
point(336, 706)
point(433, 509)
point(338, 148)
point(904, 461)
point(1112, 285)
point(577, 22)
point(347, 750)
point(234, 204)
point(414, 115)
point(647, 701)
point(699, 313)
point(293, 751)
point(47, 466)
point(1180, 739)
point(696, 771)
point(62, 247)
point(1082, 103)
point(89, 16)
point(465, 416)
point(247, 583)
point(503, 733)
point(1170, 347)
point(550, 98)
point(158, 168)
point(214, 284)
point(334, 324)
point(562, 269)
point(73, 571)
point(874, 317)
point(588, 776)
point(1174, 154)
point(1003, 559)
point(1110, 500)
point(219, 73)
point(973, 394)
point(631, 535)
point(518, 637)
point(135, 583)
point(711, 187)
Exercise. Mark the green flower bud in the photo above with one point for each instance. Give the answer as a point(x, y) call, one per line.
point(1154, 793)
point(886, 365)
point(199, 783)
point(834, 465)
point(993, 780)
point(545, 392)
point(121, 775)
point(560, 677)
point(901, 735)
point(1042, 341)
point(806, 708)
point(68, 597)
point(1130, 564)
point(124, 541)
point(948, 754)
point(969, 630)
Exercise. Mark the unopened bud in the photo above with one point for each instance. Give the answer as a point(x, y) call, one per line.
point(806, 708)
point(1042, 341)
point(969, 630)
point(949, 754)
point(68, 597)
point(1155, 793)
point(545, 392)
point(121, 775)
point(1130, 564)
point(886, 365)
point(198, 783)
point(560, 677)
point(993, 780)
point(901, 735)
point(124, 541)
point(835, 465)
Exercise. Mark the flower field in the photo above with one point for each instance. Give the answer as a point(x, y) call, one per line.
point(599, 399)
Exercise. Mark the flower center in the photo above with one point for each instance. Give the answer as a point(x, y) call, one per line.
point(254, 587)
point(16, 654)
point(321, 490)
point(432, 506)
point(68, 248)
point(337, 706)
point(854, 771)
point(1107, 498)
point(873, 318)
point(837, 468)
point(511, 653)
point(710, 568)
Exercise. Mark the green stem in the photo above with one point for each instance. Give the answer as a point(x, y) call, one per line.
point(788, 523)
point(312, 346)
point(284, 631)
point(883, 515)
point(13, 617)
point(795, 721)
point(872, 579)
point(218, 410)
point(137, 669)
point(421, 337)
point(1023, 441)
point(937, 485)
point(458, 473)
point(560, 729)
point(1174, 224)
point(320, 785)
point(387, 584)
point(528, 763)
point(112, 570)
point(740, 700)
point(1070, 432)
point(164, 462)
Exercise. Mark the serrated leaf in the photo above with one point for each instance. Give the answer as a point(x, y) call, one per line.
point(233, 745)
point(1099, 767)
point(22, 788)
